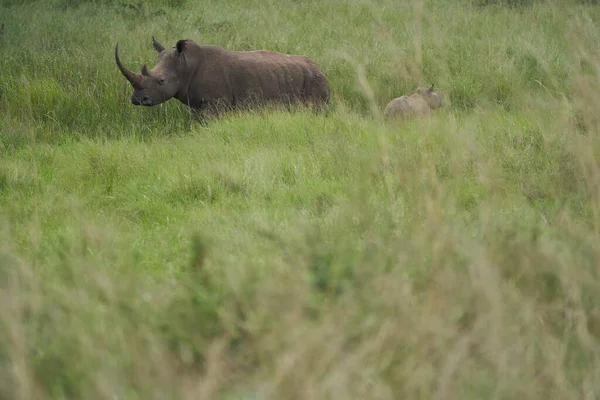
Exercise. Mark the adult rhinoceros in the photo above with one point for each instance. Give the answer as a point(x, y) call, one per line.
point(210, 79)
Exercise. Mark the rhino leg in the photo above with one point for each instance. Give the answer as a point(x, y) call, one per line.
point(199, 116)
point(210, 110)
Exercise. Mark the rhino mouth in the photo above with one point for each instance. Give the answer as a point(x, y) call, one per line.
point(141, 101)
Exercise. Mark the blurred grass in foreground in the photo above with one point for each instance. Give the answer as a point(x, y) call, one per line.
point(289, 255)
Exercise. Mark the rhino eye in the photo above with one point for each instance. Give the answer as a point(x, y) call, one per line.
point(161, 81)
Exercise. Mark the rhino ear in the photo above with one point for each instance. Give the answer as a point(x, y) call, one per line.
point(431, 87)
point(145, 70)
point(157, 46)
point(181, 45)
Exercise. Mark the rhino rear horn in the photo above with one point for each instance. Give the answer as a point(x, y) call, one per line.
point(132, 77)
point(157, 46)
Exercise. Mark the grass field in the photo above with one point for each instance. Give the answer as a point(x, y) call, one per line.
point(275, 255)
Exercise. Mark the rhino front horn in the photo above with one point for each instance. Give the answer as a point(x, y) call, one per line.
point(132, 77)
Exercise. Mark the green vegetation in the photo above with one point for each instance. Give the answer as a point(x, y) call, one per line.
point(274, 255)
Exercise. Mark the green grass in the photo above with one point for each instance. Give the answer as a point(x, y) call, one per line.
point(276, 255)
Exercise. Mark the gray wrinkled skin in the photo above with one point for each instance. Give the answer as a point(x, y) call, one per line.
point(421, 102)
point(210, 79)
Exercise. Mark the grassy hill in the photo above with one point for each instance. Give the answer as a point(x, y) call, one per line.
point(274, 255)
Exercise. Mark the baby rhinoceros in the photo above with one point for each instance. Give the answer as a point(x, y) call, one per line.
point(421, 102)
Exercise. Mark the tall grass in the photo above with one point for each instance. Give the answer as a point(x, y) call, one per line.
point(274, 255)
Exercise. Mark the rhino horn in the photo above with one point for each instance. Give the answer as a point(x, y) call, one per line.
point(132, 77)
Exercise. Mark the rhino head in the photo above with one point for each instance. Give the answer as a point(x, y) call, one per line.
point(434, 99)
point(160, 83)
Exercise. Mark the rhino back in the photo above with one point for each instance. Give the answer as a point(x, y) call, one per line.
point(406, 106)
point(268, 75)
point(240, 78)
point(397, 107)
